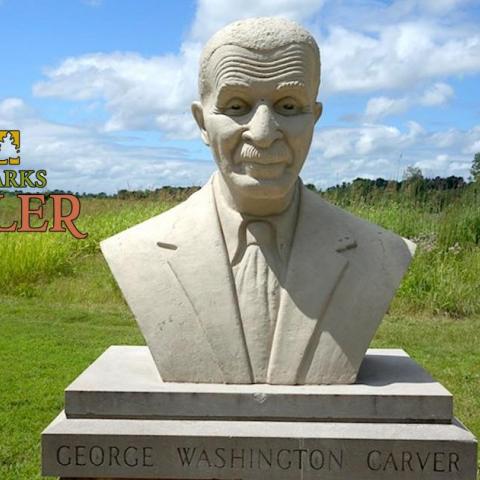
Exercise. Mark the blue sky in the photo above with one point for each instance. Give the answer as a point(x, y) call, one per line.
point(101, 89)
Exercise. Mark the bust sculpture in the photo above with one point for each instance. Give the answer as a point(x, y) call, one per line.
point(256, 279)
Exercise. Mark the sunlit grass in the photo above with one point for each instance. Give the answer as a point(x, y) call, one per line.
point(31, 258)
point(444, 276)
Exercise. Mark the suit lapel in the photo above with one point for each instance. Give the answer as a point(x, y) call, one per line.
point(314, 270)
point(201, 266)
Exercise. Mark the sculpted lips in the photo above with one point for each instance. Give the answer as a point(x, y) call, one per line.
point(263, 163)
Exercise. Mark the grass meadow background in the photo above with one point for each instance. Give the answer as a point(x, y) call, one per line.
point(60, 307)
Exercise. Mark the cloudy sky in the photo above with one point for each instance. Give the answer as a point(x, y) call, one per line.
point(101, 89)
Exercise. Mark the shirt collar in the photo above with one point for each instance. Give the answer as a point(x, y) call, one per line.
point(231, 221)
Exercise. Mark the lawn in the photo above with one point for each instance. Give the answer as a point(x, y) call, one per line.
point(60, 309)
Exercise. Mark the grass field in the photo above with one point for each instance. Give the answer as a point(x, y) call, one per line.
point(60, 308)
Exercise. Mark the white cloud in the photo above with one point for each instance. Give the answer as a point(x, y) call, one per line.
point(140, 93)
point(83, 159)
point(474, 146)
point(380, 107)
point(372, 151)
point(391, 52)
point(14, 108)
point(438, 162)
point(438, 94)
point(440, 7)
point(211, 15)
point(364, 140)
point(456, 140)
point(397, 56)
point(155, 93)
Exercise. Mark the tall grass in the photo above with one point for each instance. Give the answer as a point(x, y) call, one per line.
point(443, 278)
point(445, 273)
point(442, 282)
point(30, 258)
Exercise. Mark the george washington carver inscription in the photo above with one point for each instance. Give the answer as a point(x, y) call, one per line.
point(200, 459)
point(262, 459)
point(121, 421)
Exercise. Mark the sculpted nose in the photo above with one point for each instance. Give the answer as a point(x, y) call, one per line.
point(262, 129)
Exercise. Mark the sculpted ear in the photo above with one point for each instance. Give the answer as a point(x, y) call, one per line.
point(197, 110)
point(317, 110)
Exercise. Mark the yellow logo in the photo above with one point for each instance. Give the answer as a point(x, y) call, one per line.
point(19, 178)
point(9, 147)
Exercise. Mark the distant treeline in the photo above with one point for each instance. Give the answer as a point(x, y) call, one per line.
point(437, 183)
point(437, 193)
point(162, 193)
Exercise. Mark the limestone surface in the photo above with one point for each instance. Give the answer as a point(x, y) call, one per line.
point(124, 383)
point(121, 421)
point(227, 450)
point(255, 279)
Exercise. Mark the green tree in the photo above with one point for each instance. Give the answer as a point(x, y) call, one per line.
point(475, 170)
point(412, 173)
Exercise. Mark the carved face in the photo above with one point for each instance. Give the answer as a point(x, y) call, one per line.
point(258, 117)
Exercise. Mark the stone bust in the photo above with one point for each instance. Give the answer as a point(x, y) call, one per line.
point(256, 279)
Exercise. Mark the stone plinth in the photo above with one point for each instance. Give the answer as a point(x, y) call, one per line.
point(391, 387)
point(209, 449)
point(122, 421)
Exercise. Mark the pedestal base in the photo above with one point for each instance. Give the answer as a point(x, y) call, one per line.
point(197, 449)
point(391, 387)
point(181, 431)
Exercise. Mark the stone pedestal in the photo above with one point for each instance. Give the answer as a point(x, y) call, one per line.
point(122, 421)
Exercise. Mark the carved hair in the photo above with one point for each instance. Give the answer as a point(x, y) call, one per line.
point(260, 34)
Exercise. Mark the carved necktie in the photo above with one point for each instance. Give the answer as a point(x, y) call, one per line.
point(256, 277)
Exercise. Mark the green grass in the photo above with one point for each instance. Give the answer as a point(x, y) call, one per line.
point(448, 349)
point(46, 342)
point(60, 309)
point(31, 258)
point(48, 339)
point(444, 276)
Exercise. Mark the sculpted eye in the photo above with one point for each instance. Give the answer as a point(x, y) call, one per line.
point(236, 107)
point(288, 106)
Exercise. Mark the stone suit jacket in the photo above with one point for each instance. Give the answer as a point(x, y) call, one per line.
point(174, 272)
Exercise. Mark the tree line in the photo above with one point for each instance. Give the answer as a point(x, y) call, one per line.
point(413, 187)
